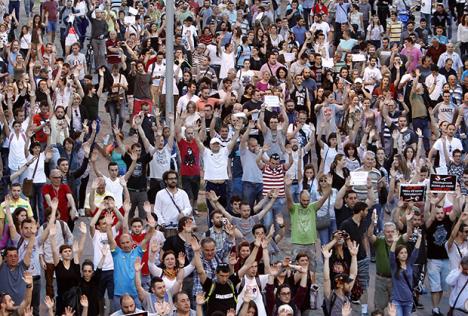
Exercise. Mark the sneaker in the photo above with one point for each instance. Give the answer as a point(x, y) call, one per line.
point(358, 302)
point(372, 259)
point(436, 312)
point(419, 305)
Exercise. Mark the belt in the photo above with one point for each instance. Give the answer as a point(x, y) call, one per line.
point(157, 77)
point(36, 277)
point(384, 276)
point(137, 190)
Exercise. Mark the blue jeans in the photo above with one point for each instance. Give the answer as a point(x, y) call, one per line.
point(325, 234)
point(37, 202)
point(252, 192)
point(14, 5)
point(423, 124)
point(28, 5)
point(236, 187)
point(295, 192)
point(277, 209)
point(403, 308)
point(221, 190)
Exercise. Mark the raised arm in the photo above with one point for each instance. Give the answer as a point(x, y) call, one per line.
point(110, 236)
point(289, 198)
point(197, 259)
point(140, 290)
point(78, 247)
point(213, 199)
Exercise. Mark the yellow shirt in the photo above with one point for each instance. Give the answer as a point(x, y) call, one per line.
point(15, 204)
point(98, 198)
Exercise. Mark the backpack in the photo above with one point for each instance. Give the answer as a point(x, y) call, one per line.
point(213, 287)
point(328, 309)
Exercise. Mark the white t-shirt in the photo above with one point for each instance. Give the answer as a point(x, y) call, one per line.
point(215, 164)
point(99, 241)
point(455, 143)
point(16, 157)
point(39, 176)
point(440, 81)
point(323, 26)
point(456, 253)
point(328, 154)
point(161, 162)
point(251, 283)
point(157, 70)
point(371, 73)
point(116, 189)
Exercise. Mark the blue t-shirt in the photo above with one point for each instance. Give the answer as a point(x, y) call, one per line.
point(124, 272)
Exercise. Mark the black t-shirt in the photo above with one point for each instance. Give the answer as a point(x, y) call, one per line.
point(137, 180)
point(342, 214)
point(355, 233)
point(92, 106)
point(223, 296)
point(91, 290)
point(422, 255)
point(252, 105)
point(67, 278)
point(176, 244)
point(437, 235)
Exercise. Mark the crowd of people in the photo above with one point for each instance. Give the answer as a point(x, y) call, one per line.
point(272, 186)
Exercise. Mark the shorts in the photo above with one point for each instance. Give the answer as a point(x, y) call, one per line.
point(437, 271)
point(52, 26)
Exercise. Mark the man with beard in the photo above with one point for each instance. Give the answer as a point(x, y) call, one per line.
point(303, 221)
point(171, 203)
point(383, 279)
point(300, 94)
point(414, 220)
point(439, 228)
point(335, 299)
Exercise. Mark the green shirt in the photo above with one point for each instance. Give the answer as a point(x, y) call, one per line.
point(303, 228)
point(382, 263)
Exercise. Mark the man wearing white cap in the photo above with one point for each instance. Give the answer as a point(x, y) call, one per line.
point(215, 167)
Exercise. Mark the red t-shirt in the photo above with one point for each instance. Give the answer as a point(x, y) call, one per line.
point(39, 119)
point(104, 212)
point(112, 58)
point(190, 155)
point(61, 195)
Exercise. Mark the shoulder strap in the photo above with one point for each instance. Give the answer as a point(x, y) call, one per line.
point(210, 292)
point(458, 296)
point(62, 226)
point(332, 302)
point(172, 199)
point(406, 280)
point(20, 243)
point(35, 167)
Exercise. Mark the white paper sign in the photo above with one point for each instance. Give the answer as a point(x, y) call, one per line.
point(288, 57)
point(359, 177)
point(358, 57)
point(132, 11)
point(272, 101)
point(327, 62)
point(129, 20)
point(71, 18)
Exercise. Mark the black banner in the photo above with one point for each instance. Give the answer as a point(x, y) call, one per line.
point(443, 183)
point(412, 192)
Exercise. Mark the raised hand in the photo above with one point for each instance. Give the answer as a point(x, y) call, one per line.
point(233, 258)
point(138, 265)
point(83, 229)
point(162, 308)
point(49, 302)
point(346, 310)
point(195, 244)
point(154, 247)
point(150, 220)
point(288, 181)
point(28, 311)
point(147, 207)
point(353, 249)
point(109, 219)
point(122, 181)
point(326, 253)
point(200, 298)
point(181, 259)
point(391, 309)
point(274, 270)
point(68, 311)
point(27, 278)
point(84, 301)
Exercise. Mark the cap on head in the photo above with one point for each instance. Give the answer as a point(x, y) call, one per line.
point(215, 140)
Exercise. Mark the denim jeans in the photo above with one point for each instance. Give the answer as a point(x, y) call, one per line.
point(117, 113)
point(325, 234)
point(423, 124)
point(236, 187)
point(403, 308)
point(221, 190)
point(99, 48)
point(28, 5)
point(252, 192)
point(277, 209)
point(295, 192)
point(37, 202)
point(14, 5)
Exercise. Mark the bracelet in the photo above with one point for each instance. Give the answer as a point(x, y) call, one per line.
point(28, 286)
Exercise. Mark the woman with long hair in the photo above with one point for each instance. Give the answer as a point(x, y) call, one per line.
point(375, 32)
point(352, 159)
point(275, 38)
point(36, 173)
point(328, 207)
point(339, 171)
point(25, 39)
point(38, 30)
point(308, 181)
point(402, 274)
point(462, 35)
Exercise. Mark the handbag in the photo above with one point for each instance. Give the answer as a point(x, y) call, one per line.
point(27, 187)
point(451, 309)
point(324, 221)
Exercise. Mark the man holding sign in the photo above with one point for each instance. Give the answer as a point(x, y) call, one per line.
point(449, 144)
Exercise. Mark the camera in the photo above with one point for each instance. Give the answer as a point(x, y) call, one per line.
point(224, 220)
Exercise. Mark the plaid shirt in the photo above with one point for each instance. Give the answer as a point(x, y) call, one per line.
point(210, 265)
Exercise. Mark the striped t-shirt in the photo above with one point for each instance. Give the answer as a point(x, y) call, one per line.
point(273, 179)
